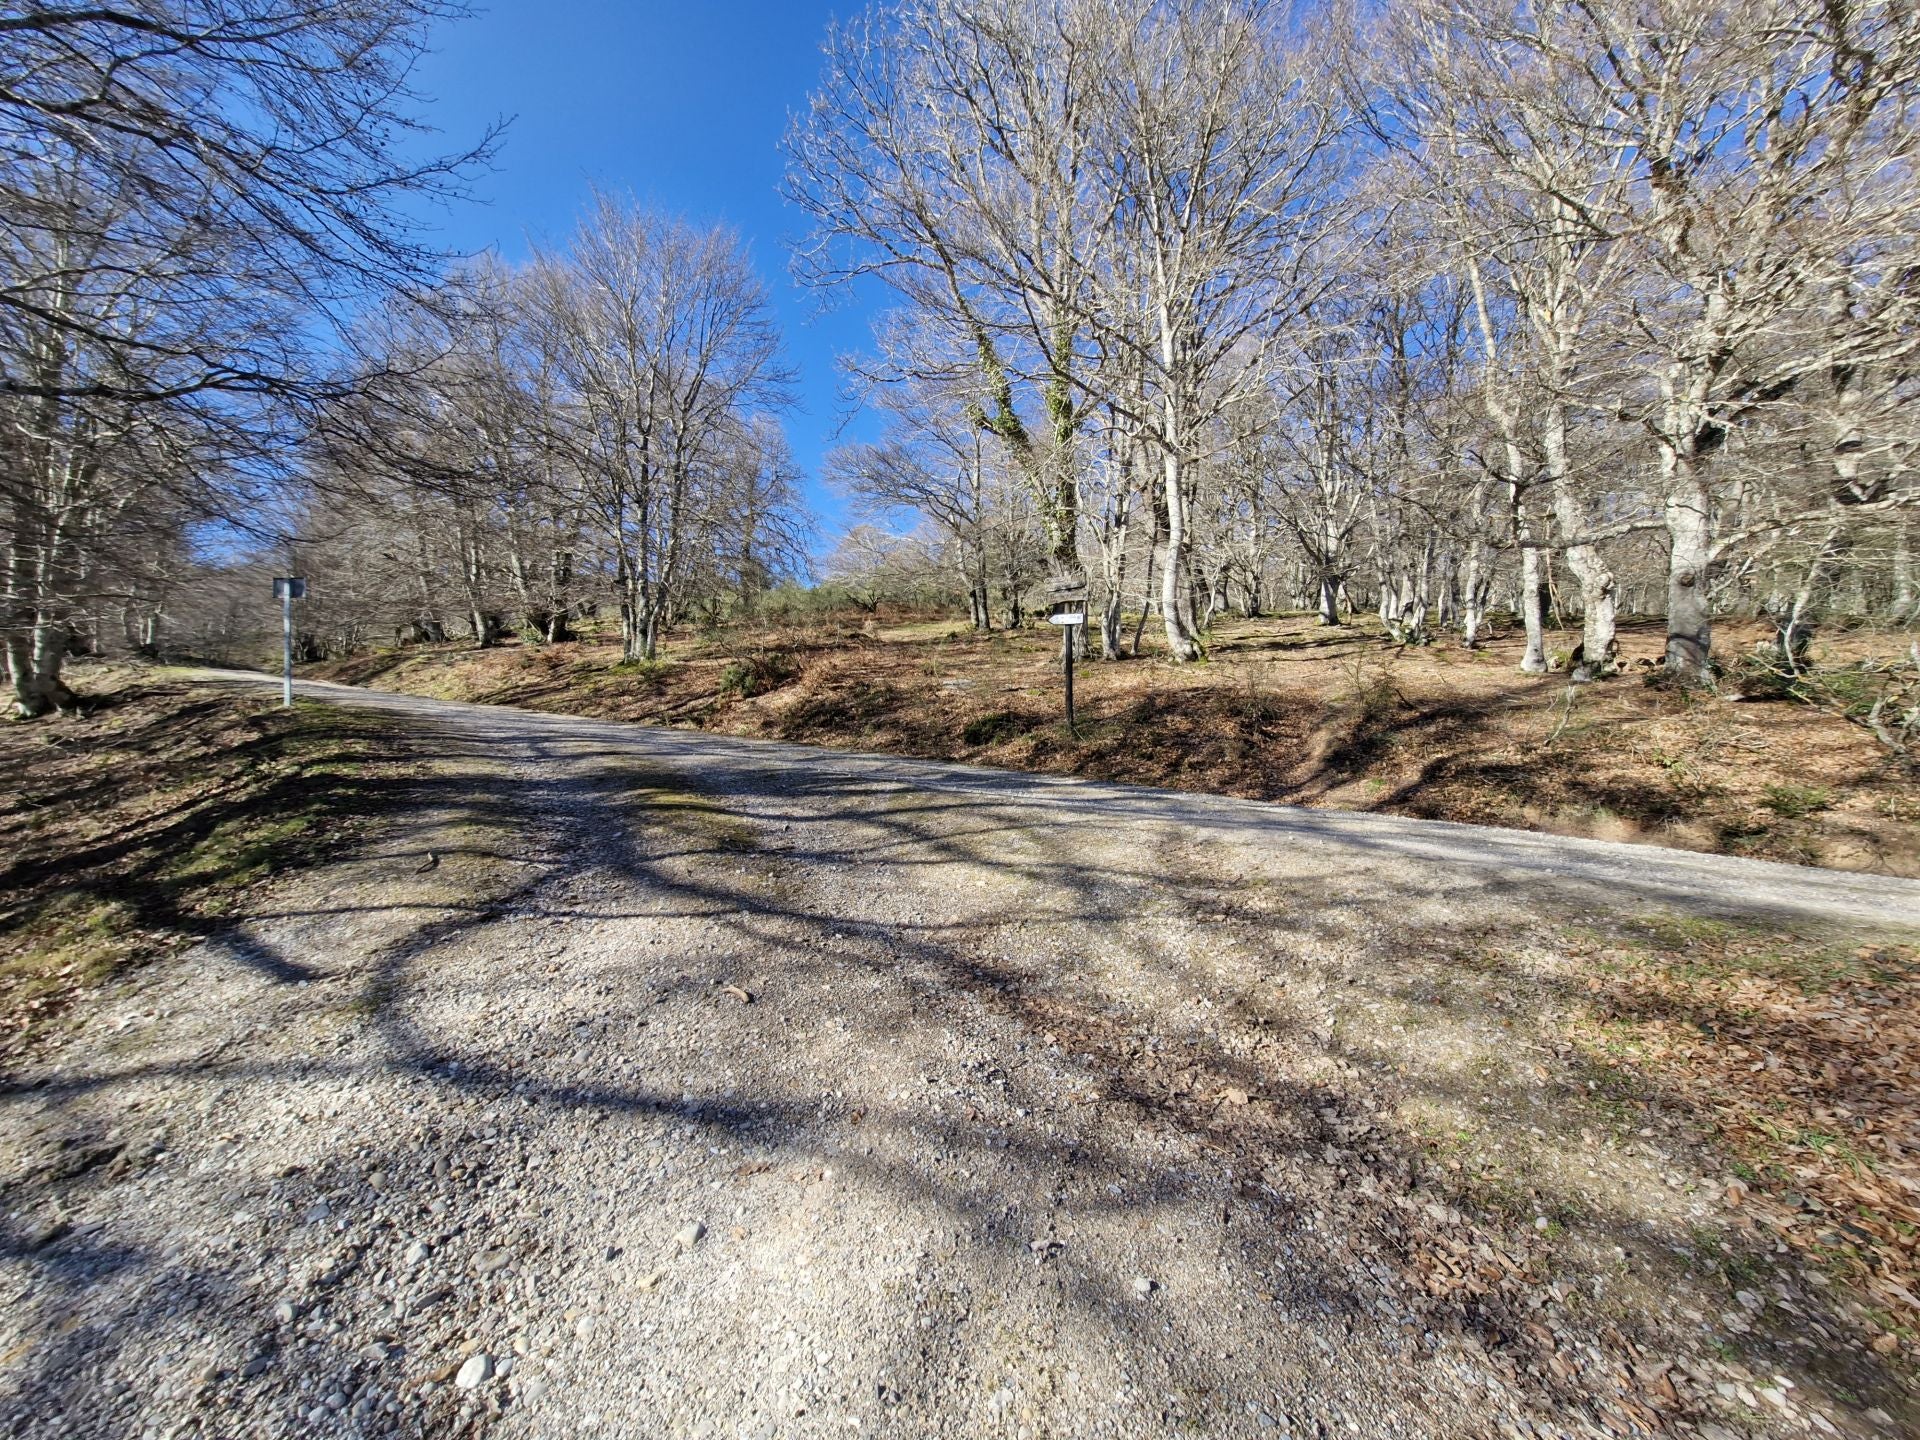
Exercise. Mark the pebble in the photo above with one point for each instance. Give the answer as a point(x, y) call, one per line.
point(353, 1293)
point(493, 1260)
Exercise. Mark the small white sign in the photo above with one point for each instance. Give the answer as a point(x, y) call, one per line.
point(1071, 617)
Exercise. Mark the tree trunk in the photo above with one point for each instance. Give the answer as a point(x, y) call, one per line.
point(1599, 645)
point(1110, 621)
point(1689, 615)
point(1906, 594)
point(1329, 600)
point(1474, 590)
point(1532, 612)
point(1146, 597)
point(1182, 643)
point(33, 671)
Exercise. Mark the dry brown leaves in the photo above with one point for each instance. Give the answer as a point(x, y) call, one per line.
point(1806, 1064)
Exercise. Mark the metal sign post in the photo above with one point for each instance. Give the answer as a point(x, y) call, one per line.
point(1067, 604)
point(287, 589)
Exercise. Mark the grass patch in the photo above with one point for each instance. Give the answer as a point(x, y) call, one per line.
point(995, 726)
point(1793, 1050)
point(647, 672)
point(661, 798)
point(1796, 802)
point(134, 829)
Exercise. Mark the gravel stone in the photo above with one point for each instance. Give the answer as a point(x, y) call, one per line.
point(982, 1102)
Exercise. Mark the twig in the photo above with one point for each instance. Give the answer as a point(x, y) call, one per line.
point(1566, 715)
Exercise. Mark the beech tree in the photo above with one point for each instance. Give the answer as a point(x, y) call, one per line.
point(190, 192)
point(663, 335)
point(1605, 303)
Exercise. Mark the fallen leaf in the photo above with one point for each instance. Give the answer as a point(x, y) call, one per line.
point(1233, 1096)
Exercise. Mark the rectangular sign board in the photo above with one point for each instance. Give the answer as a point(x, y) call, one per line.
point(1068, 617)
point(289, 588)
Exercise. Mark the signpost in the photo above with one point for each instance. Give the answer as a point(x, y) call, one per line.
point(1067, 607)
point(287, 589)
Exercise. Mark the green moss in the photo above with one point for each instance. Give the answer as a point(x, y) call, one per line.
point(661, 798)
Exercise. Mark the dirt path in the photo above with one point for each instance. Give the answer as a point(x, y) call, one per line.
point(649, 1084)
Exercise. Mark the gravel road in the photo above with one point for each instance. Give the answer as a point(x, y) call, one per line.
point(643, 1083)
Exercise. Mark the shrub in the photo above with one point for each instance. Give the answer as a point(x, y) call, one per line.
point(992, 728)
point(757, 673)
point(1795, 802)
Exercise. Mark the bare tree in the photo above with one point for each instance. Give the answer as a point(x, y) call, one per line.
point(1770, 147)
point(190, 190)
point(663, 335)
point(274, 130)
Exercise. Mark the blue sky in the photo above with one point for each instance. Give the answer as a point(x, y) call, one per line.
point(681, 104)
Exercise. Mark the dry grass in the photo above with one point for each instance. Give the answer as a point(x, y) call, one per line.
point(1799, 1052)
point(137, 829)
point(1282, 710)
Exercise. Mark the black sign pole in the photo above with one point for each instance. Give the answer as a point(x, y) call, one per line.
point(1066, 663)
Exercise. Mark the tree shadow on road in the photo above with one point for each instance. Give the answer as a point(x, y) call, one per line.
point(1207, 1039)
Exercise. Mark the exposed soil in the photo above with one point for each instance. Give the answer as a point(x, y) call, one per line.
point(1282, 710)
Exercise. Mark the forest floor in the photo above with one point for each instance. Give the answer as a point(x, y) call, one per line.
point(1283, 710)
point(609, 1080)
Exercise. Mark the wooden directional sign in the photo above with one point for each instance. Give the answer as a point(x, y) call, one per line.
point(1067, 601)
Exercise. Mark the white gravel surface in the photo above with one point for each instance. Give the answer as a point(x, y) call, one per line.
point(651, 1084)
